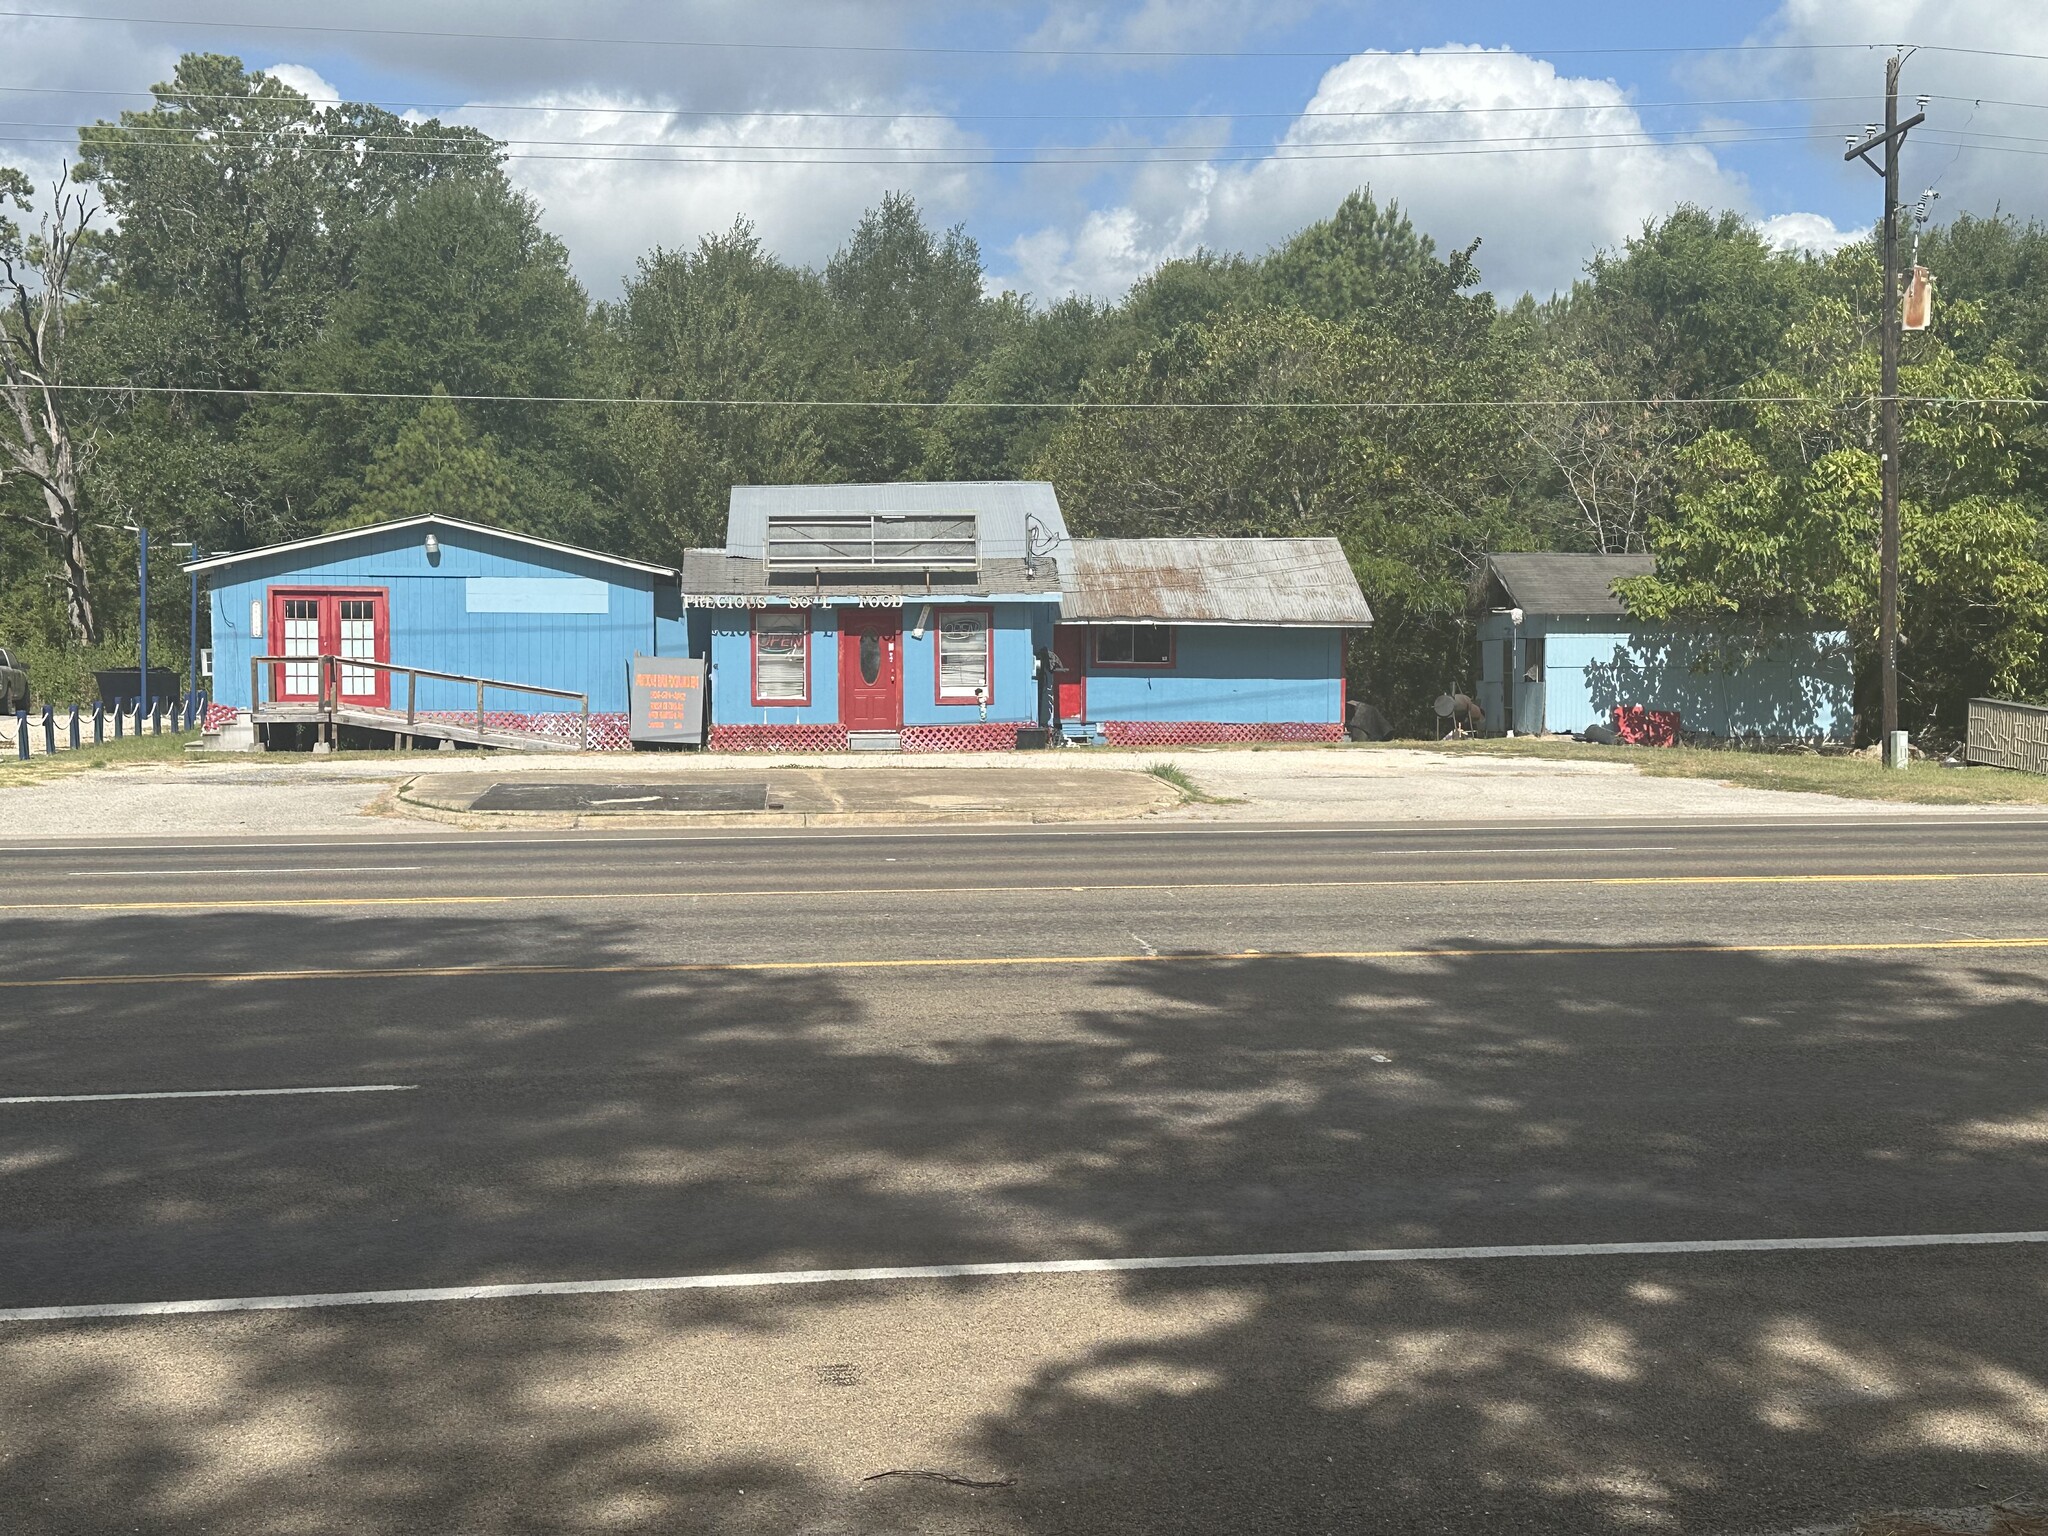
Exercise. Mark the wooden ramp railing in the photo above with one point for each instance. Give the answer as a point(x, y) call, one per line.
point(331, 707)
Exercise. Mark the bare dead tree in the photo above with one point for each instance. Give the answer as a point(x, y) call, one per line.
point(38, 441)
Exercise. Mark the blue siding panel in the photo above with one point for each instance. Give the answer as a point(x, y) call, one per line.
point(1231, 675)
point(432, 625)
point(1801, 687)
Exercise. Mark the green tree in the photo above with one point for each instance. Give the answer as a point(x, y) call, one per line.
point(457, 290)
point(436, 465)
point(726, 321)
point(1776, 521)
point(908, 298)
point(1414, 495)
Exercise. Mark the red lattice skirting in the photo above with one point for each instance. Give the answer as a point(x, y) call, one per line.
point(1195, 733)
point(778, 738)
point(982, 736)
point(220, 716)
point(608, 733)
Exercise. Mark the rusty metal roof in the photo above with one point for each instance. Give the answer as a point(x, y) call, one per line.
point(1296, 582)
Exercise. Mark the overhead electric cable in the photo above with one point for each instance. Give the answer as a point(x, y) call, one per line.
point(557, 108)
point(766, 154)
point(785, 45)
point(468, 141)
point(1023, 405)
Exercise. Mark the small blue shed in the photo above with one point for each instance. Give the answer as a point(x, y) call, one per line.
point(1552, 626)
point(451, 597)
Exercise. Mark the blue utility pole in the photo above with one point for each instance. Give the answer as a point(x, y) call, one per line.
point(142, 576)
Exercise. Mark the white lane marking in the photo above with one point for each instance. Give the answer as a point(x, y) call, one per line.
point(311, 869)
point(1020, 1267)
point(629, 800)
point(209, 1093)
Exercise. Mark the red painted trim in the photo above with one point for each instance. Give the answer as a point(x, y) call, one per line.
point(754, 656)
point(330, 631)
point(988, 634)
point(1172, 649)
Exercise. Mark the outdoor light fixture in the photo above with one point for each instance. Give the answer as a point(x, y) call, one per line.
point(433, 549)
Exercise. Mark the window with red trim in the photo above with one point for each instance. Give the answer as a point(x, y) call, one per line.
point(966, 656)
point(782, 658)
point(1133, 645)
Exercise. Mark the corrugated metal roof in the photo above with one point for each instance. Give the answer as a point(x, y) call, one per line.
point(1001, 509)
point(1574, 585)
point(715, 573)
point(1303, 582)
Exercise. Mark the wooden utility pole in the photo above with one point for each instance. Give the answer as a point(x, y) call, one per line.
point(1890, 141)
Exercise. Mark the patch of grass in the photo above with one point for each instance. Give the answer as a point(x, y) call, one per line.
point(126, 752)
point(1848, 778)
point(1191, 793)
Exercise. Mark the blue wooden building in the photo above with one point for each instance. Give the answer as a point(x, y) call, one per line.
point(955, 616)
point(913, 617)
point(450, 597)
point(1559, 651)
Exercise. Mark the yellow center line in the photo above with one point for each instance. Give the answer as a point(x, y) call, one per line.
point(989, 962)
point(230, 903)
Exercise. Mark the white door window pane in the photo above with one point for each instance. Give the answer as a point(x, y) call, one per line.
point(301, 638)
point(963, 655)
point(782, 646)
point(358, 641)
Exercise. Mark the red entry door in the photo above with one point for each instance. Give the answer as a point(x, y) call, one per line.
point(1070, 650)
point(352, 623)
point(870, 669)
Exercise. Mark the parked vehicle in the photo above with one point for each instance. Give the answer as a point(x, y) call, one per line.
point(13, 685)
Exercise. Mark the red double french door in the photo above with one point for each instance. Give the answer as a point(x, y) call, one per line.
point(353, 623)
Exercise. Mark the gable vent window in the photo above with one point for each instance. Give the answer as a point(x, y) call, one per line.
point(782, 658)
point(963, 656)
point(873, 541)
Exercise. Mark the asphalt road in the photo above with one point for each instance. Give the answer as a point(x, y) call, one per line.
point(593, 1059)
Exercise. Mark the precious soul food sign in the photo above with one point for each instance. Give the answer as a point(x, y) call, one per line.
point(668, 700)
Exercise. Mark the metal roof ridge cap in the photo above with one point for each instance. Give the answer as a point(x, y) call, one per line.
point(214, 562)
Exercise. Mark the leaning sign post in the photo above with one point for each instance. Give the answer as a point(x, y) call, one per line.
point(667, 701)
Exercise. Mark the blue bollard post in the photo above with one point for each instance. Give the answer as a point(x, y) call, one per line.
point(49, 730)
point(99, 722)
point(156, 718)
point(120, 717)
point(21, 735)
point(74, 727)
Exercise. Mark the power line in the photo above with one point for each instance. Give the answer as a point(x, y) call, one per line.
point(1659, 403)
point(963, 50)
point(974, 117)
point(466, 140)
point(1170, 155)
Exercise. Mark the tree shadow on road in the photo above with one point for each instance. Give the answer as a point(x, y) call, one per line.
point(630, 1121)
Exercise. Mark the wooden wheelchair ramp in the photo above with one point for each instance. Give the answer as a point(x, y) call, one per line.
point(327, 709)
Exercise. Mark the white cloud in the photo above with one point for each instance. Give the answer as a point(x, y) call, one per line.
point(613, 183)
point(1541, 212)
point(1162, 25)
point(1967, 88)
point(1809, 232)
point(307, 82)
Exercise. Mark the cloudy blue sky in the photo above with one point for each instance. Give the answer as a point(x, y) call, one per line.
point(1081, 143)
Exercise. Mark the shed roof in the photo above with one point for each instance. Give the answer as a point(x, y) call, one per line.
point(1287, 582)
point(1002, 510)
point(1575, 585)
point(216, 562)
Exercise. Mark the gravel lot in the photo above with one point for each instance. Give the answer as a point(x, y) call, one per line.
point(243, 796)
